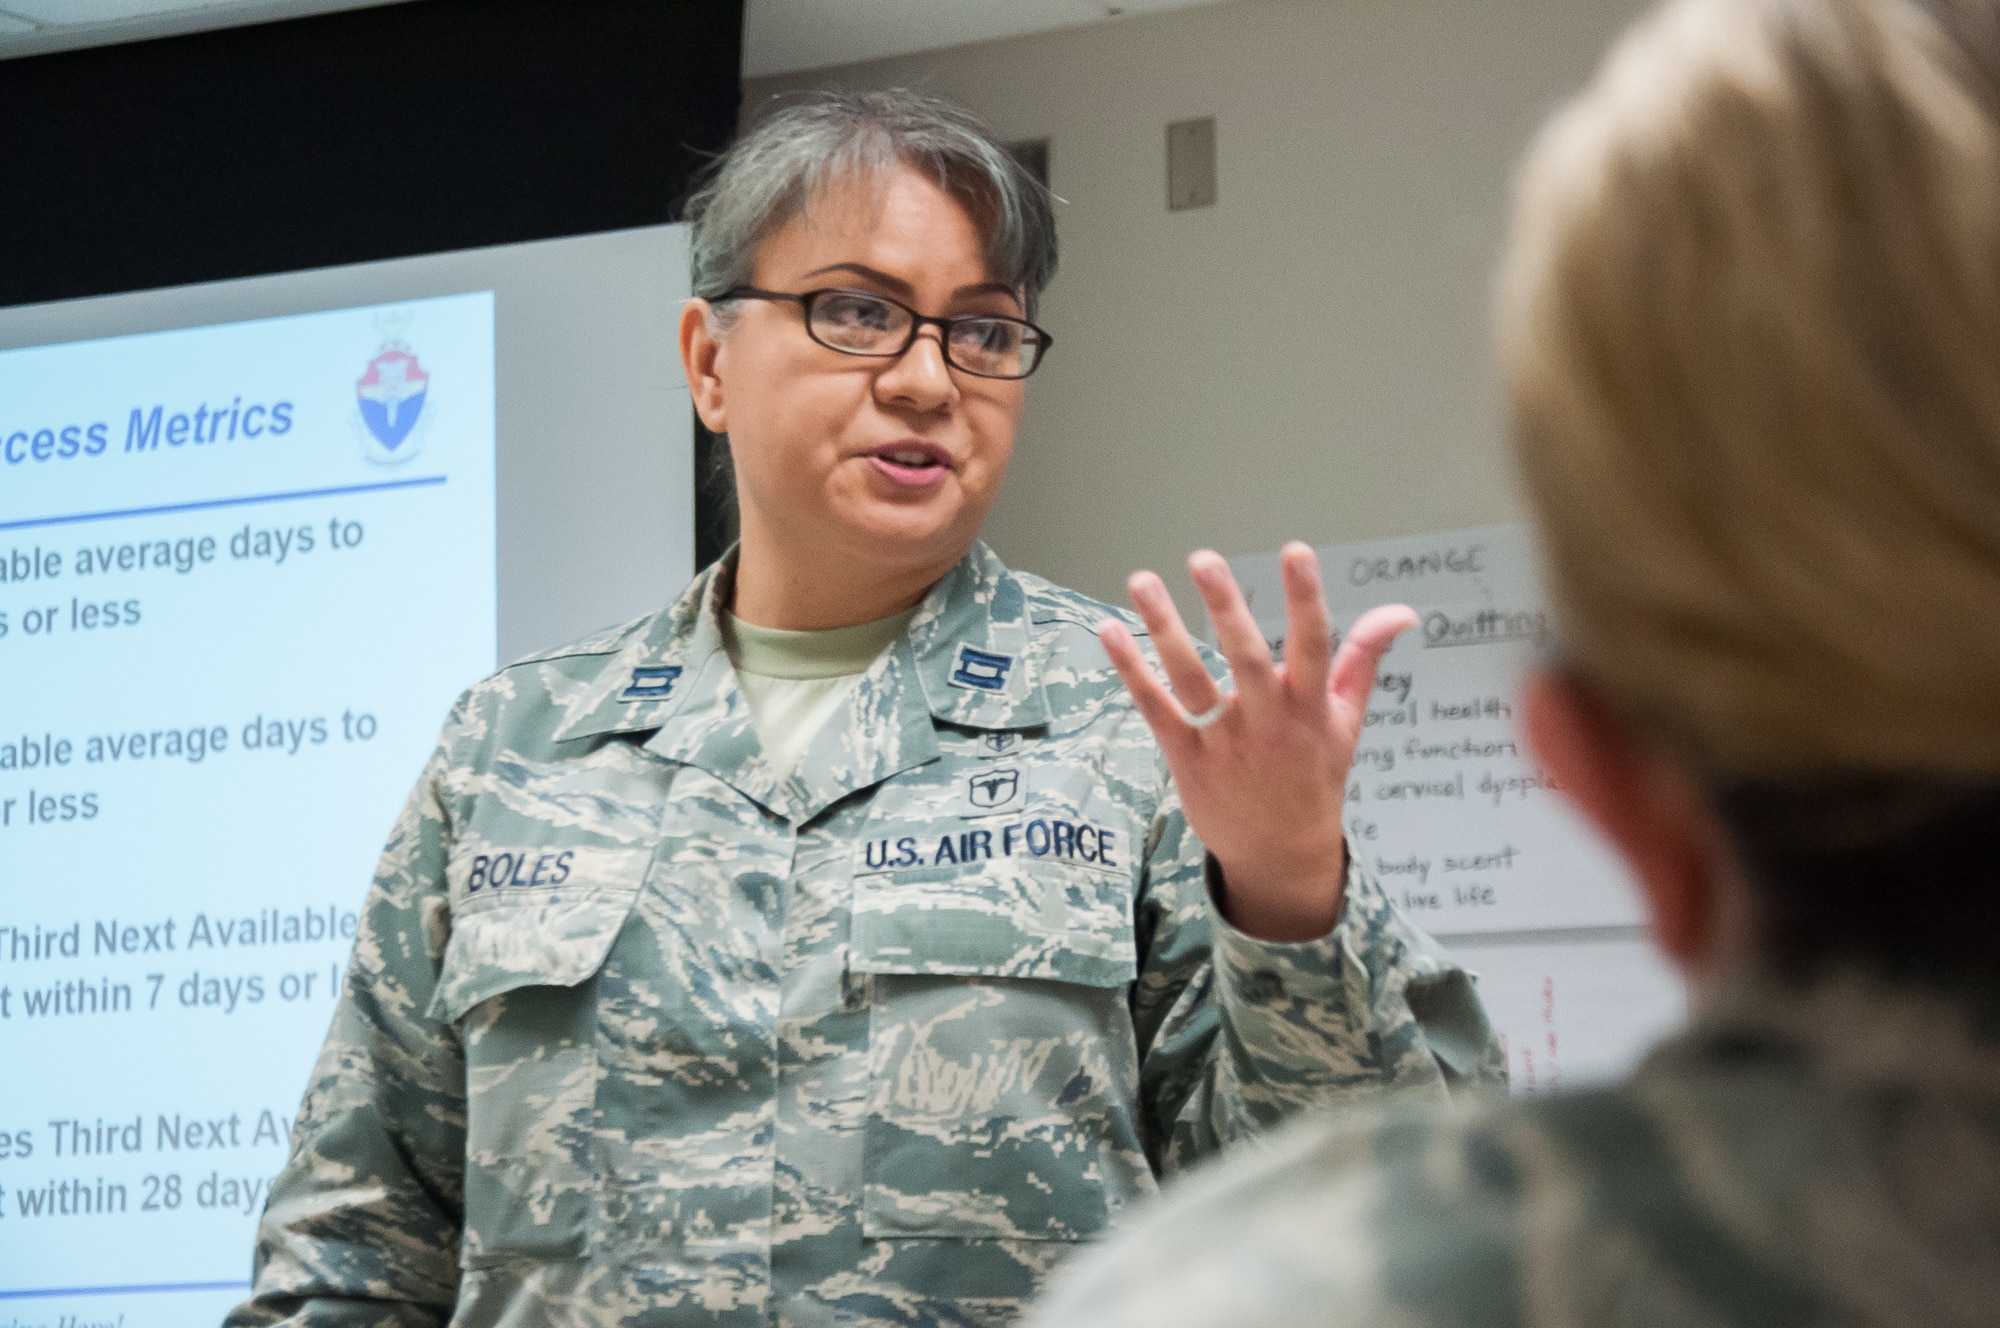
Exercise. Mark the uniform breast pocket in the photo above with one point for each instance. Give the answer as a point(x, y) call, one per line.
point(519, 980)
point(1003, 1094)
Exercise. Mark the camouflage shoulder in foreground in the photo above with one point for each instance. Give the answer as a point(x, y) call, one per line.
point(641, 1029)
point(1801, 1158)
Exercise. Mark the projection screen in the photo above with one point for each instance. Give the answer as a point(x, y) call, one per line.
point(255, 537)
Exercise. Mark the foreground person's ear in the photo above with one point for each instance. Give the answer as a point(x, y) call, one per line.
point(1640, 799)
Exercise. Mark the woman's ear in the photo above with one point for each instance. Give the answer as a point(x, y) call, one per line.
point(1640, 799)
point(701, 348)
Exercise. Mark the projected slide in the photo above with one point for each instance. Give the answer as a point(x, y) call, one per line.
point(244, 571)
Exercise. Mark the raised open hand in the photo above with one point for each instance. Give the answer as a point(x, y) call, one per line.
point(1262, 772)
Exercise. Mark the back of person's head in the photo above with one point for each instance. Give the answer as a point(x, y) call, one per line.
point(1750, 323)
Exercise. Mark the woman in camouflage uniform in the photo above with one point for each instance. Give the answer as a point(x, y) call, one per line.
point(832, 946)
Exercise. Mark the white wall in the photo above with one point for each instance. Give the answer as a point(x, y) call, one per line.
point(1308, 358)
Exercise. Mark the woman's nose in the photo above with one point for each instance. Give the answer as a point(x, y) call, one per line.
point(919, 378)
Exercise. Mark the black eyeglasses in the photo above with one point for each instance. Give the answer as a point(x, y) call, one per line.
point(858, 323)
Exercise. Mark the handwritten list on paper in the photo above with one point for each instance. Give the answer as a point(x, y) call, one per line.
point(1467, 835)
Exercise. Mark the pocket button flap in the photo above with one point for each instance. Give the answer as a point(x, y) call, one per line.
point(501, 944)
point(1048, 921)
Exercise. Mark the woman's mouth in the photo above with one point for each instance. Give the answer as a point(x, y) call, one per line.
point(911, 463)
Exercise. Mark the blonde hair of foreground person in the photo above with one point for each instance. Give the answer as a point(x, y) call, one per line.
point(1750, 323)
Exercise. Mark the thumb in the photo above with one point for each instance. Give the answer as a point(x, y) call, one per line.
point(1361, 652)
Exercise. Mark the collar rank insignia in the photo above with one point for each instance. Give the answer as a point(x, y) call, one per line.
point(981, 670)
point(650, 684)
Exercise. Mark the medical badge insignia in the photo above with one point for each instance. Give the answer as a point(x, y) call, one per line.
point(990, 790)
point(390, 394)
point(650, 684)
point(981, 670)
point(1001, 742)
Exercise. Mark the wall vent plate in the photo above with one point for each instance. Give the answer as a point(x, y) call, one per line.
point(1190, 164)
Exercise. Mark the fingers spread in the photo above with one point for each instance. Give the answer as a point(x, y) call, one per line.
point(1235, 630)
point(1196, 690)
point(1361, 653)
point(1308, 635)
point(1155, 705)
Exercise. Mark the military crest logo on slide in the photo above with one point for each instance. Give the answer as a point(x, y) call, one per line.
point(391, 395)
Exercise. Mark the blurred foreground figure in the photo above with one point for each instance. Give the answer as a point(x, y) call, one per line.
point(1750, 318)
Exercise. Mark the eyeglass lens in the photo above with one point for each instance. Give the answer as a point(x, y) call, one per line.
point(866, 325)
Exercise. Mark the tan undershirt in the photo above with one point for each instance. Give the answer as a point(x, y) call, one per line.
point(796, 681)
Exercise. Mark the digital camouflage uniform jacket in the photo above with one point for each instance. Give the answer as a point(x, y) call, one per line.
point(637, 1032)
point(1802, 1158)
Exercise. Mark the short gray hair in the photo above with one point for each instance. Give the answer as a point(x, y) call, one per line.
point(775, 170)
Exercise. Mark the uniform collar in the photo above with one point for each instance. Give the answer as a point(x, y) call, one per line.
point(965, 660)
point(973, 649)
point(667, 661)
